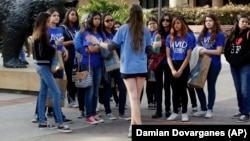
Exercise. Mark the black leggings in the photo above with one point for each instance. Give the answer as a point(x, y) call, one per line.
point(179, 88)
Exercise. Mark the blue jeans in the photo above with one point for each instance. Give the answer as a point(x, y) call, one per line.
point(211, 83)
point(47, 81)
point(241, 78)
point(58, 74)
point(92, 93)
point(22, 55)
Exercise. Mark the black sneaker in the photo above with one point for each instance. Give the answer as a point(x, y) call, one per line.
point(64, 129)
point(46, 126)
point(243, 118)
point(68, 121)
point(157, 115)
point(237, 115)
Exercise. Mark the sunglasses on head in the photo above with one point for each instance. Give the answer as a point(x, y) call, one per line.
point(166, 20)
point(107, 21)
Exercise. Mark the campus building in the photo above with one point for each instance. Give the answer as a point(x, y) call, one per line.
point(178, 3)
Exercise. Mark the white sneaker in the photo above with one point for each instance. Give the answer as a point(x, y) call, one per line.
point(130, 132)
point(209, 114)
point(101, 107)
point(74, 104)
point(199, 113)
point(184, 117)
point(35, 119)
point(173, 116)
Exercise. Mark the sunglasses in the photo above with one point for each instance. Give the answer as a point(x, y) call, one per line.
point(165, 20)
point(107, 21)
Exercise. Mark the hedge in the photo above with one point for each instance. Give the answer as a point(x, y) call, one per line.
point(194, 16)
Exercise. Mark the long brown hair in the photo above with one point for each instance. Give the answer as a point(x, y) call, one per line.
point(66, 18)
point(215, 29)
point(136, 26)
point(40, 27)
point(173, 32)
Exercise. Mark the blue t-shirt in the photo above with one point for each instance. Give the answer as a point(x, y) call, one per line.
point(178, 49)
point(78, 41)
point(109, 37)
point(216, 59)
point(132, 62)
point(55, 34)
point(95, 58)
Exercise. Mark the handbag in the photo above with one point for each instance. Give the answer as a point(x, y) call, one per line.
point(155, 60)
point(57, 61)
point(84, 79)
point(62, 84)
point(105, 53)
point(113, 63)
point(198, 75)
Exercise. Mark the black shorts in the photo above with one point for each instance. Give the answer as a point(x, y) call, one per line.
point(124, 76)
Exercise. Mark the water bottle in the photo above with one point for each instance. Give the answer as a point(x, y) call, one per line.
point(157, 39)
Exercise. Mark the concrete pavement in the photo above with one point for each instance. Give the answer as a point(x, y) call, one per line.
point(17, 109)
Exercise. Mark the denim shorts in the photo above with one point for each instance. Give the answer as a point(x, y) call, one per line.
point(125, 76)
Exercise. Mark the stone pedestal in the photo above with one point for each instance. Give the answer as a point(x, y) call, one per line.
point(23, 79)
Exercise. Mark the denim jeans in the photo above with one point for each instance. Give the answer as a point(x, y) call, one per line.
point(50, 109)
point(22, 55)
point(47, 82)
point(241, 78)
point(211, 83)
point(92, 93)
point(58, 74)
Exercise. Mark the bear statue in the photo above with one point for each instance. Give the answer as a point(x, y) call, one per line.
point(16, 24)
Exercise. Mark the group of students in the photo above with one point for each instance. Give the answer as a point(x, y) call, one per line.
point(134, 42)
point(178, 41)
point(100, 25)
point(68, 37)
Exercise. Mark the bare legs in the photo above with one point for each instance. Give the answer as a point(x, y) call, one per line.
point(134, 87)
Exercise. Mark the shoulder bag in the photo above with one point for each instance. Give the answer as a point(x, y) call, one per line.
point(84, 79)
point(155, 60)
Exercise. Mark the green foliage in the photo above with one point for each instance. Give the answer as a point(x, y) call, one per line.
point(194, 16)
point(117, 8)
